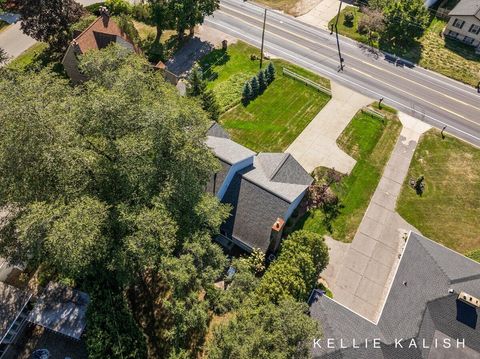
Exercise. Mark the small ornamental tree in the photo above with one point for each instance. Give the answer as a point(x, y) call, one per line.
point(255, 87)
point(271, 72)
point(348, 19)
point(247, 93)
point(196, 84)
point(262, 82)
point(210, 105)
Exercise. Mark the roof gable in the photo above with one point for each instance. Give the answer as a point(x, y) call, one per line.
point(418, 305)
point(101, 33)
point(466, 8)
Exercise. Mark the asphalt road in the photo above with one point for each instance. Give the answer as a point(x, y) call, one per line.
point(423, 94)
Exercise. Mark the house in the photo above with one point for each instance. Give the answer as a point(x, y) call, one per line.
point(464, 23)
point(54, 320)
point(431, 311)
point(13, 311)
point(101, 33)
point(263, 189)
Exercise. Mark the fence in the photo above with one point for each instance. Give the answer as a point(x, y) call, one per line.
point(373, 112)
point(306, 81)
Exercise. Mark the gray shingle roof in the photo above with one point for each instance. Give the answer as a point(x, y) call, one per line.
point(61, 309)
point(280, 174)
point(216, 130)
point(466, 8)
point(12, 300)
point(421, 309)
point(254, 212)
point(228, 150)
point(217, 179)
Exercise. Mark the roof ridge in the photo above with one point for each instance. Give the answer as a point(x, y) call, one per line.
point(433, 258)
point(280, 164)
point(88, 28)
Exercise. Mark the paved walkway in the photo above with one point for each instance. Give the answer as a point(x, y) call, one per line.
point(316, 145)
point(362, 278)
point(321, 14)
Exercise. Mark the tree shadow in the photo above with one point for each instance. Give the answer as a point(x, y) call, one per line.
point(216, 57)
point(461, 49)
point(411, 52)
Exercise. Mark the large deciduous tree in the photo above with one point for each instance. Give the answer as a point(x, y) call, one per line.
point(186, 14)
point(104, 185)
point(49, 20)
point(280, 331)
point(295, 272)
point(405, 21)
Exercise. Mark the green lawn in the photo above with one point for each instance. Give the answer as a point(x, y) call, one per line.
point(449, 209)
point(370, 141)
point(446, 56)
point(28, 57)
point(273, 120)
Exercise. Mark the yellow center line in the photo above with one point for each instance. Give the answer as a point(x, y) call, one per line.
point(356, 58)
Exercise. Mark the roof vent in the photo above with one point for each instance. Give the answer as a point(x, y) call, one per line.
point(469, 299)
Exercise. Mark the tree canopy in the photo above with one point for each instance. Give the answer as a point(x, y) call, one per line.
point(280, 331)
point(405, 21)
point(295, 272)
point(49, 20)
point(104, 184)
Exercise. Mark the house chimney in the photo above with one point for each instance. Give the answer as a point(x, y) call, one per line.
point(469, 299)
point(276, 234)
point(103, 10)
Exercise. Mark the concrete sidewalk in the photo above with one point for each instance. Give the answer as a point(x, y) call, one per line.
point(362, 278)
point(316, 145)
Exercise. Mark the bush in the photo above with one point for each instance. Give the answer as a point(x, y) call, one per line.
point(126, 25)
point(81, 24)
point(141, 12)
point(117, 7)
point(348, 19)
point(95, 8)
point(229, 93)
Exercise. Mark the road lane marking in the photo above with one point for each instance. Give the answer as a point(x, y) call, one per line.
point(432, 76)
point(328, 72)
point(332, 49)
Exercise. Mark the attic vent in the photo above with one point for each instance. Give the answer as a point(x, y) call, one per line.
point(469, 299)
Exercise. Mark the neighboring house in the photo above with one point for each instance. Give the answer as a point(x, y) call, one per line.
point(13, 311)
point(262, 189)
point(464, 23)
point(54, 321)
point(101, 33)
point(431, 304)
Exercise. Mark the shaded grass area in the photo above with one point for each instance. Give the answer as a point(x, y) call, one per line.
point(34, 54)
point(3, 24)
point(446, 56)
point(274, 119)
point(370, 141)
point(449, 209)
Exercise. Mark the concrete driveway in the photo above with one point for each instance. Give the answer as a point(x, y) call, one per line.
point(321, 14)
point(316, 145)
point(362, 276)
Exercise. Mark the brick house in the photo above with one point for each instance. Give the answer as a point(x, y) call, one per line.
point(101, 33)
